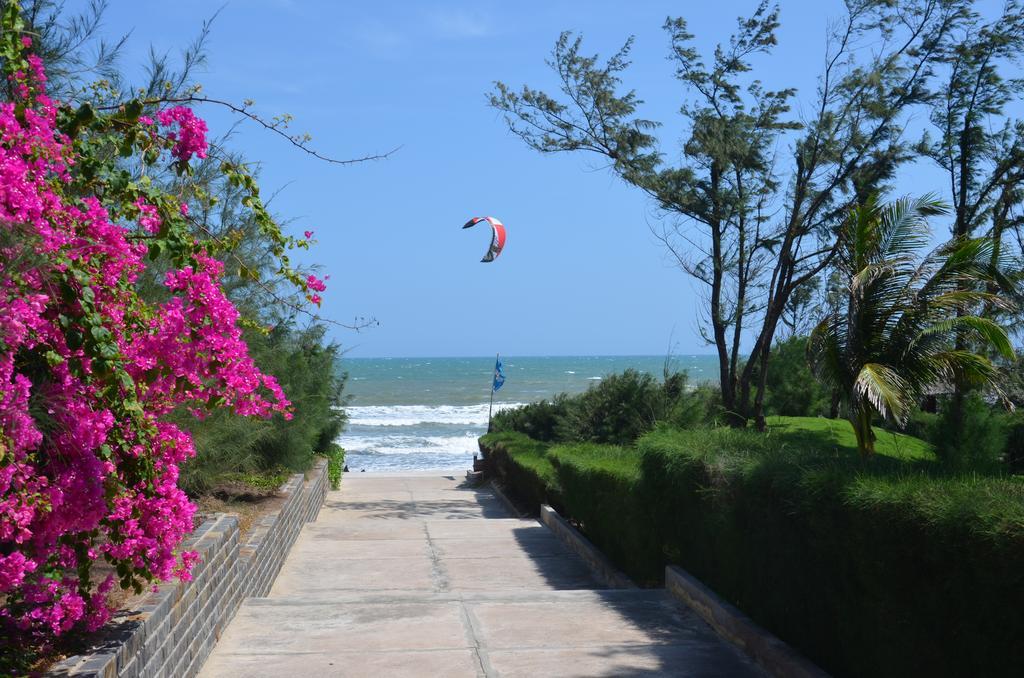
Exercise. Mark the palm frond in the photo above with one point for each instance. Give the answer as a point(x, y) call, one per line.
point(967, 366)
point(825, 355)
point(903, 227)
point(868, 276)
point(969, 256)
point(965, 299)
point(861, 233)
point(885, 389)
point(982, 329)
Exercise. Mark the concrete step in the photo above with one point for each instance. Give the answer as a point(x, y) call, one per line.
point(430, 556)
point(659, 596)
point(536, 633)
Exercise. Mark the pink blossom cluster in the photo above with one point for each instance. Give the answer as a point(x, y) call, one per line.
point(88, 370)
point(149, 216)
point(190, 139)
point(196, 339)
point(317, 285)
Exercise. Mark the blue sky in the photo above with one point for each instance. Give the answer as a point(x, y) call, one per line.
point(581, 273)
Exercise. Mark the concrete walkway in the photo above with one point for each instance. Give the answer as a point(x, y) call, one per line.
point(420, 576)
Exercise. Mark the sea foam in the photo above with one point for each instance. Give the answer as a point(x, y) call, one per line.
point(418, 415)
point(462, 445)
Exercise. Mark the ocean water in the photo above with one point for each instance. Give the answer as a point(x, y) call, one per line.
point(412, 414)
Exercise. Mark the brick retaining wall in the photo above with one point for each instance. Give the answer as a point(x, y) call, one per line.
point(171, 633)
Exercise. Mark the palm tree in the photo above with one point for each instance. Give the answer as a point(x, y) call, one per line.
point(892, 334)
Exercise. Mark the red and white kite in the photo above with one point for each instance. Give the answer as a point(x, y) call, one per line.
point(497, 236)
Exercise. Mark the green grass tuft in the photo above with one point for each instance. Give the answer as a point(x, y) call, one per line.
point(335, 454)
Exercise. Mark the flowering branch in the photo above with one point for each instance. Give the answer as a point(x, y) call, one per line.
point(277, 126)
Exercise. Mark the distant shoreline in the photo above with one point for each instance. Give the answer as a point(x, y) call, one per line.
point(534, 357)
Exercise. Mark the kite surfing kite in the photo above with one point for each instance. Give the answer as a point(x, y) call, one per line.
point(497, 236)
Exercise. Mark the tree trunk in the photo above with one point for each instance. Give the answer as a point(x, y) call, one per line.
point(727, 381)
point(961, 229)
point(861, 420)
point(762, 384)
point(762, 355)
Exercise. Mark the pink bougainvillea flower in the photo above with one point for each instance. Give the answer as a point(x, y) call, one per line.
point(76, 416)
point(315, 283)
point(191, 135)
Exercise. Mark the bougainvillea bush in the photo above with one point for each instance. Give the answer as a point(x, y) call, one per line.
point(89, 369)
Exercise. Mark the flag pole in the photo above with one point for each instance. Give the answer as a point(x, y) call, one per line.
point(491, 406)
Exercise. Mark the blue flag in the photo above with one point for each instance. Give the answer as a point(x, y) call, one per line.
point(499, 376)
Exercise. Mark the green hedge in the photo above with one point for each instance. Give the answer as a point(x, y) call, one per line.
point(522, 465)
point(599, 487)
point(872, 570)
point(881, 568)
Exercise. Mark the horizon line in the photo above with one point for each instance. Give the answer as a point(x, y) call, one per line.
point(535, 355)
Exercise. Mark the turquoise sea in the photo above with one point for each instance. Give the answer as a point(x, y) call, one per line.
point(410, 414)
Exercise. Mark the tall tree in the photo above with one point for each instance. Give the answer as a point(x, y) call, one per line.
point(751, 227)
point(978, 146)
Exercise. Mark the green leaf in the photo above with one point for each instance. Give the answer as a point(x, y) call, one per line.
point(82, 117)
point(885, 389)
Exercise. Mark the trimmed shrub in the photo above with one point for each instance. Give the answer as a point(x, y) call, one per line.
point(873, 569)
point(524, 468)
point(600, 493)
point(884, 567)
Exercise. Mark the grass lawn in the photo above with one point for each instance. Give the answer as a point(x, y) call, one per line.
point(836, 435)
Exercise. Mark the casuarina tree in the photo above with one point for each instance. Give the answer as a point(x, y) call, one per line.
point(754, 196)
